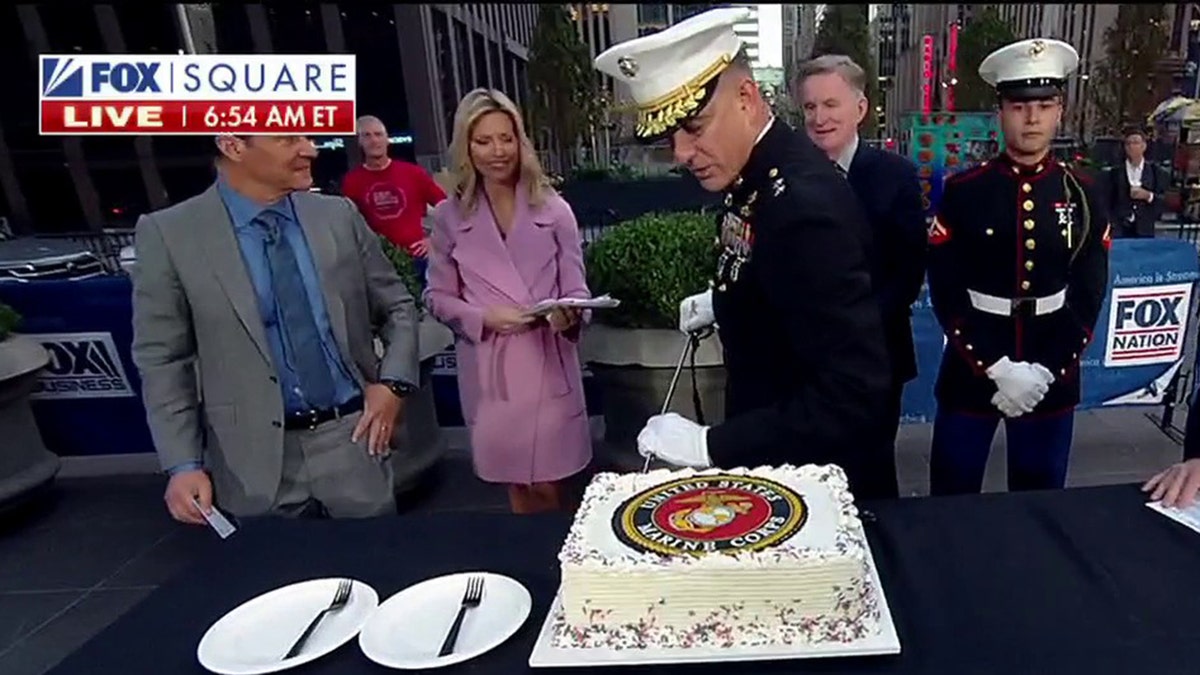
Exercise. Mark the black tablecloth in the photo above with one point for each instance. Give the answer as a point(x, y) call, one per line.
point(1075, 581)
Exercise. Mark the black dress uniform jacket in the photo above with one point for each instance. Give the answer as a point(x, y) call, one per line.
point(1018, 232)
point(807, 370)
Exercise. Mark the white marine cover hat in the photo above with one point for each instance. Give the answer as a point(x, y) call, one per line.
point(1030, 69)
point(672, 74)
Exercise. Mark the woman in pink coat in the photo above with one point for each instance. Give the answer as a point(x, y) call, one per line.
point(502, 242)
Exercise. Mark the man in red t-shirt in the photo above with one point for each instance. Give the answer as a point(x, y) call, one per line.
point(393, 195)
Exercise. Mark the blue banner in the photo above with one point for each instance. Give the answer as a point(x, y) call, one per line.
point(1139, 340)
point(88, 401)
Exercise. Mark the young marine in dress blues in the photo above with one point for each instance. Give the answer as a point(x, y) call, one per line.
point(804, 352)
point(1018, 269)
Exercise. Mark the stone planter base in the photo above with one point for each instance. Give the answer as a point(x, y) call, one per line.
point(633, 369)
point(25, 463)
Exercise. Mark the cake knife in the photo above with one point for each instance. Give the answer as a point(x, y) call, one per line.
point(687, 346)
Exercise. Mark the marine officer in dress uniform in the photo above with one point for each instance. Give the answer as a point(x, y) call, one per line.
point(807, 369)
point(1018, 268)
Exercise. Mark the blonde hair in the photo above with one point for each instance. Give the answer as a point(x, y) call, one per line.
point(464, 179)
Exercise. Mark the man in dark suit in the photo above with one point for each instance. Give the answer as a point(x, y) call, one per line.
point(834, 103)
point(1135, 189)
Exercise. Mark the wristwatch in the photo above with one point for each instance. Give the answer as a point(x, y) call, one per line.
point(399, 387)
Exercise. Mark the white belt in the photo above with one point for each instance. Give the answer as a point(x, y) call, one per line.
point(1008, 306)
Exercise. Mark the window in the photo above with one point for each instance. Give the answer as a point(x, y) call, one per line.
point(72, 31)
point(371, 35)
point(522, 82)
point(20, 117)
point(328, 170)
point(494, 51)
point(53, 201)
point(232, 26)
point(462, 46)
point(122, 194)
point(481, 61)
point(5, 213)
point(109, 149)
point(445, 68)
point(517, 88)
point(149, 28)
point(186, 179)
point(168, 149)
point(296, 27)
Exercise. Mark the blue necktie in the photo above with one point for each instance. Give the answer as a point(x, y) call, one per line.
point(302, 346)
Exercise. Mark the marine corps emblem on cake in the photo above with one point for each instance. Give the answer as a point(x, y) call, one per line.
point(693, 516)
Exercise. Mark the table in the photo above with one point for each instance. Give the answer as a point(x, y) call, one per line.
point(1077, 581)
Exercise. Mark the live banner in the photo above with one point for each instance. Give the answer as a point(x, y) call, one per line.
point(1140, 338)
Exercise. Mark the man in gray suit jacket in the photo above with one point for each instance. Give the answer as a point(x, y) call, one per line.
point(255, 308)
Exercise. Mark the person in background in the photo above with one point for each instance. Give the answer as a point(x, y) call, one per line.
point(392, 194)
point(1178, 484)
point(256, 306)
point(1018, 271)
point(1135, 190)
point(504, 241)
point(834, 103)
point(808, 372)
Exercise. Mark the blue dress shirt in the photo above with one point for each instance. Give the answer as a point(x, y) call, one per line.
point(251, 238)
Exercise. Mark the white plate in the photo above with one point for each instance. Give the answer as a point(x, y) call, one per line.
point(408, 629)
point(546, 655)
point(252, 638)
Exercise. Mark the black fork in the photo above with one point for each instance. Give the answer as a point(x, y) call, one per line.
point(340, 598)
point(471, 599)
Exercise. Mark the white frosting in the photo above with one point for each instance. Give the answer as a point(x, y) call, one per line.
point(830, 514)
point(811, 586)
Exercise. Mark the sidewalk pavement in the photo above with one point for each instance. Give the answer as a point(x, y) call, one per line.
point(1118, 445)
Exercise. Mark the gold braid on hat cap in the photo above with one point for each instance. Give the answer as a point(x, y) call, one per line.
point(657, 116)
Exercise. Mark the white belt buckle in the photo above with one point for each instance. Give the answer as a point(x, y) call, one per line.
point(991, 304)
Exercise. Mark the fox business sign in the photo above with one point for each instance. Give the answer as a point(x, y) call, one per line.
point(82, 365)
point(1147, 325)
point(197, 94)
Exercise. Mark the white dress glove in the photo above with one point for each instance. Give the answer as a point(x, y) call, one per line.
point(696, 312)
point(1004, 405)
point(1007, 405)
point(1022, 384)
point(675, 440)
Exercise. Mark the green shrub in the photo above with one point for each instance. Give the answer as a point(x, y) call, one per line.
point(9, 320)
point(651, 263)
point(613, 171)
point(404, 267)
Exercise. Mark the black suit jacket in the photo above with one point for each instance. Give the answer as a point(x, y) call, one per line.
point(887, 188)
point(1121, 205)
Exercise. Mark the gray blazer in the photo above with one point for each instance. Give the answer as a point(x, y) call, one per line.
point(208, 380)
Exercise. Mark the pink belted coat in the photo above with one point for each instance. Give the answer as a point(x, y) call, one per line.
point(522, 394)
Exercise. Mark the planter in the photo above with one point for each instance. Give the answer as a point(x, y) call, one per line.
point(632, 369)
point(25, 463)
point(420, 440)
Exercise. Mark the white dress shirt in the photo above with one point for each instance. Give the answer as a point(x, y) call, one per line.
point(1134, 172)
point(847, 155)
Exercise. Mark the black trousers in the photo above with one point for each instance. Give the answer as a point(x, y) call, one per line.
point(877, 480)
